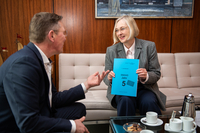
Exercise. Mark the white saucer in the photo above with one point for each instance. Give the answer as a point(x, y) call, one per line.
point(159, 122)
point(167, 128)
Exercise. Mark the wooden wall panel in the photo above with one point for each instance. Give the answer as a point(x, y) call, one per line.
point(85, 33)
point(15, 18)
point(89, 35)
point(186, 32)
point(156, 30)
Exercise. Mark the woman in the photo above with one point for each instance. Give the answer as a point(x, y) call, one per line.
point(149, 98)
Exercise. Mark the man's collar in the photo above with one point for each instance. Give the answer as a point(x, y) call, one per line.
point(44, 57)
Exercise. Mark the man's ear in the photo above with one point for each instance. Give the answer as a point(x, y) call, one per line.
point(51, 35)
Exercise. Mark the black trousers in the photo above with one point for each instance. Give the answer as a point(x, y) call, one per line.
point(145, 101)
point(73, 111)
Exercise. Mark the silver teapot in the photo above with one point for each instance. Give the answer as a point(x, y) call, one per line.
point(188, 108)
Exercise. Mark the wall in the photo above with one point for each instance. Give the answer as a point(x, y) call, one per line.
point(15, 18)
point(89, 35)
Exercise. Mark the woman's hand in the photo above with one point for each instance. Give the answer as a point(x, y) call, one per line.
point(142, 73)
point(110, 75)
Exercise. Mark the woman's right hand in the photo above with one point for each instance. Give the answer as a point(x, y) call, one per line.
point(110, 75)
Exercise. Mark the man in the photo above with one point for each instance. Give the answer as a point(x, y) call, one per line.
point(29, 101)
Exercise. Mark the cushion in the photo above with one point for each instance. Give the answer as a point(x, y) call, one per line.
point(188, 69)
point(74, 69)
point(168, 71)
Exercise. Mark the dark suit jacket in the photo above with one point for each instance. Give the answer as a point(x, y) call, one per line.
point(146, 52)
point(24, 102)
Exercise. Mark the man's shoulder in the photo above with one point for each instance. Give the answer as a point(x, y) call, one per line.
point(23, 55)
point(25, 52)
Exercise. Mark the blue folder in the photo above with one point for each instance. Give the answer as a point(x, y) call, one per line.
point(125, 80)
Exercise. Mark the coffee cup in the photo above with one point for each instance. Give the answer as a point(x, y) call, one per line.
point(151, 117)
point(175, 124)
point(188, 123)
point(146, 131)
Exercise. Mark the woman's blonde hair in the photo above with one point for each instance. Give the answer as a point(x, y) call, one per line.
point(134, 31)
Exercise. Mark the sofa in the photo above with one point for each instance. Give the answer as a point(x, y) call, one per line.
point(180, 75)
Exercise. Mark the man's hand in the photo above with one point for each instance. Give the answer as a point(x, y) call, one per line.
point(142, 73)
point(80, 128)
point(95, 79)
point(110, 75)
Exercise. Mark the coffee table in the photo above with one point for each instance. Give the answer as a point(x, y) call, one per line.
point(117, 123)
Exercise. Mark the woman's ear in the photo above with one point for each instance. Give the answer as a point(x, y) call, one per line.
point(51, 35)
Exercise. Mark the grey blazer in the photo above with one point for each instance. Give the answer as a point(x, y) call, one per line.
point(146, 52)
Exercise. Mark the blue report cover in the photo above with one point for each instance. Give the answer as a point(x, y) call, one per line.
point(126, 78)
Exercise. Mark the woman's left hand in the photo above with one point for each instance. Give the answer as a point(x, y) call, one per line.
point(142, 73)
